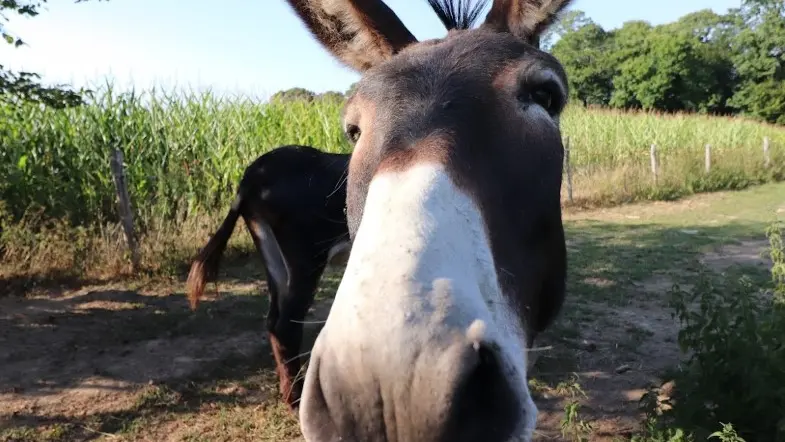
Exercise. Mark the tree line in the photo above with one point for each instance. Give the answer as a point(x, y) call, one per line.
point(726, 64)
point(705, 62)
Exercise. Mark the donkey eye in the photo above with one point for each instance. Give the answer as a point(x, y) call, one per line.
point(543, 98)
point(545, 93)
point(352, 132)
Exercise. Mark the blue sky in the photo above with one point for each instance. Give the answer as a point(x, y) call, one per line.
point(250, 47)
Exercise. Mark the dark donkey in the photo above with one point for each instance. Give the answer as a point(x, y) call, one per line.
point(458, 257)
point(292, 200)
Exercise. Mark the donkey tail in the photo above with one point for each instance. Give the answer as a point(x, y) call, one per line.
point(205, 265)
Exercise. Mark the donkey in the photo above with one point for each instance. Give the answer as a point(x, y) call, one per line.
point(458, 257)
point(292, 200)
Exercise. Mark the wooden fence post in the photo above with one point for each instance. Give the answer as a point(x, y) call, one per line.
point(654, 165)
point(124, 205)
point(766, 153)
point(708, 158)
point(568, 168)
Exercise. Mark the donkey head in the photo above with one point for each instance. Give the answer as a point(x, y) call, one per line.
point(458, 257)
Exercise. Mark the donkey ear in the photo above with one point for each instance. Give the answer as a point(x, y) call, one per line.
point(360, 33)
point(526, 19)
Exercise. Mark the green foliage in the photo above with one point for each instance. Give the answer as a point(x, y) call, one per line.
point(19, 87)
point(304, 95)
point(777, 254)
point(759, 57)
point(653, 432)
point(711, 80)
point(585, 56)
point(765, 100)
point(727, 434)
point(185, 152)
point(352, 88)
point(569, 21)
point(668, 68)
point(573, 428)
point(731, 63)
point(293, 94)
point(733, 333)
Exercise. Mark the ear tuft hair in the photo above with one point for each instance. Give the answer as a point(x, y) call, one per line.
point(458, 14)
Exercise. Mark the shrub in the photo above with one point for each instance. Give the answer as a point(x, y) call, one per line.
point(732, 331)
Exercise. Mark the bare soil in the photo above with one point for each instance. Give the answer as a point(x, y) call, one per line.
point(98, 351)
point(105, 362)
point(747, 253)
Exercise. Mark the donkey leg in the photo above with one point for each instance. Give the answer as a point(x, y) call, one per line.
point(279, 284)
point(287, 334)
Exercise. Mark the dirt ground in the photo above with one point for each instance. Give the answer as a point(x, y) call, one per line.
point(94, 351)
point(118, 363)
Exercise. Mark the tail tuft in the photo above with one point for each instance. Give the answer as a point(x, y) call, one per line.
point(206, 263)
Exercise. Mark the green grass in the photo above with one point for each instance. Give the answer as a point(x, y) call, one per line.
point(613, 257)
point(643, 242)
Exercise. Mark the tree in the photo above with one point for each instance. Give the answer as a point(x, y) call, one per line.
point(26, 86)
point(583, 51)
point(351, 89)
point(569, 21)
point(672, 67)
point(330, 95)
point(759, 59)
point(293, 94)
point(629, 55)
point(713, 76)
point(703, 62)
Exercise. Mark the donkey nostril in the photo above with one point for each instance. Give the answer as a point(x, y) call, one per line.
point(484, 404)
point(488, 364)
point(487, 357)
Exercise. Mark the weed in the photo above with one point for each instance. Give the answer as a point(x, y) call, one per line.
point(653, 432)
point(572, 426)
point(727, 434)
point(733, 334)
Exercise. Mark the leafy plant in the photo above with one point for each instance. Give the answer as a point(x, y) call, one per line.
point(572, 426)
point(727, 434)
point(184, 151)
point(25, 87)
point(734, 334)
point(653, 432)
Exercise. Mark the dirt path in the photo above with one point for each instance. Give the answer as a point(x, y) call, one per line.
point(72, 364)
point(111, 363)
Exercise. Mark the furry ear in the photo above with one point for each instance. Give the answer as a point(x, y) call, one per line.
point(526, 19)
point(360, 33)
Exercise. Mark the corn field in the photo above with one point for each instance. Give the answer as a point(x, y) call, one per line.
point(185, 152)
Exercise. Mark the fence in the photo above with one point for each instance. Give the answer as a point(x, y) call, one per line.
point(654, 163)
point(127, 218)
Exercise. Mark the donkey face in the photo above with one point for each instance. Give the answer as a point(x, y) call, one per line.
point(458, 256)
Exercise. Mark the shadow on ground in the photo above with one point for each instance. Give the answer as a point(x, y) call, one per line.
point(97, 361)
point(616, 337)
